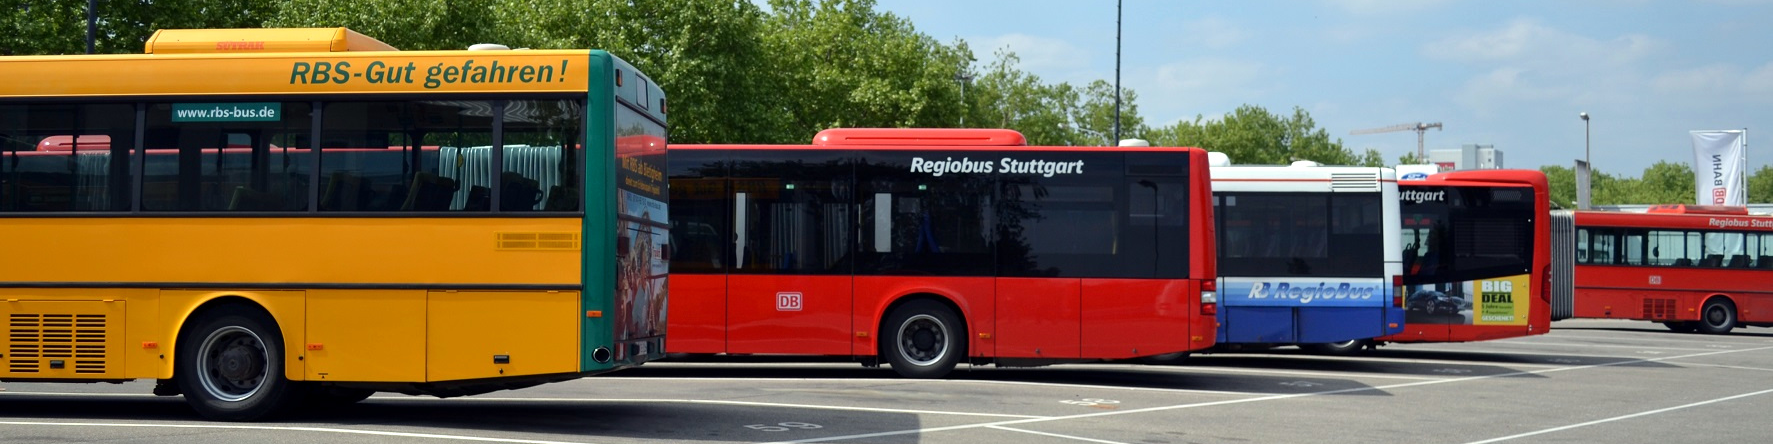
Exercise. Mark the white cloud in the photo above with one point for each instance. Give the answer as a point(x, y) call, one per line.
point(1185, 88)
point(1716, 79)
point(1038, 54)
point(1527, 42)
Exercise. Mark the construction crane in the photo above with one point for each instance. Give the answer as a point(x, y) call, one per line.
point(1419, 127)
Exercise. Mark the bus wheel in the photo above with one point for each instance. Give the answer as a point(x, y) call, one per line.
point(230, 365)
point(1680, 326)
point(923, 339)
point(1344, 348)
point(1718, 317)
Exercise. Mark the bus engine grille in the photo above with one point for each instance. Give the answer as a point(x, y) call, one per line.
point(38, 342)
point(1659, 308)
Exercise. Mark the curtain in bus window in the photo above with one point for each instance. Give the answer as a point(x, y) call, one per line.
point(543, 153)
point(919, 223)
point(233, 156)
point(797, 213)
point(1721, 249)
point(407, 156)
point(65, 157)
point(1669, 248)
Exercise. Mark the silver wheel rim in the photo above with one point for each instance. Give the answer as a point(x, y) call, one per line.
point(232, 363)
point(923, 340)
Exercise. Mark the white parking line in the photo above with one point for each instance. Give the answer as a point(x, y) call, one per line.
point(1055, 435)
point(1251, 400)
point(288, 429)
point(1639, 347)
point(709, 401)
point(1623, 417)
point(1708, 339)
point(1218, 369)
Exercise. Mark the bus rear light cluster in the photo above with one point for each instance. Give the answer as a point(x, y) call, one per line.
point(1209, 298)
point(1397, 291)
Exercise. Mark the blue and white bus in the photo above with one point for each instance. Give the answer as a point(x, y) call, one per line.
point(1309, 255)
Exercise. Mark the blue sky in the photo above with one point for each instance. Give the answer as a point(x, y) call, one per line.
point(1509, 73)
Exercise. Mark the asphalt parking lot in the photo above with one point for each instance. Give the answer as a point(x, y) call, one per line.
point(1586, 381)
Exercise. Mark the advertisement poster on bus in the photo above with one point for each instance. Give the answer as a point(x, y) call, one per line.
point(642, 233)
point(1478, 302)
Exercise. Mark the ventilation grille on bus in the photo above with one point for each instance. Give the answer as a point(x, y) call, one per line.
point(77, 340)
point(538, 241)
point(1354, 181)
point(1659, 308)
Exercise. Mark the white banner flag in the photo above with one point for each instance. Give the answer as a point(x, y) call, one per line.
point(1718, 167)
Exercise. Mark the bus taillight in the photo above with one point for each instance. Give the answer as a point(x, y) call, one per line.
point(1397, 291)
point(1209, 298)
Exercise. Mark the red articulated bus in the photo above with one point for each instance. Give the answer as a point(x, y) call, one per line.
point(1689, 267)
point(924, 248)
point(1477, 256)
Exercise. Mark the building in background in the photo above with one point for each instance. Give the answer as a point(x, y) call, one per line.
point(1467, 157)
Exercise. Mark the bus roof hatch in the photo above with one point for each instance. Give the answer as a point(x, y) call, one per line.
point(919, 136)
point(187, 41)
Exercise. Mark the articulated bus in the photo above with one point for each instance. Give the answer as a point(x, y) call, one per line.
point(1477, 256)
point(265, 218)
point(1308, 255)
point(925, 248)
point(1692, 268)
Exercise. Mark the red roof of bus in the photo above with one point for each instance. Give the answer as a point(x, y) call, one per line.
point(1534, 178)
point(1694, 221)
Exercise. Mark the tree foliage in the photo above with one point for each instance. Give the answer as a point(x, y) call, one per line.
point(34, 27)
point(1251, 135)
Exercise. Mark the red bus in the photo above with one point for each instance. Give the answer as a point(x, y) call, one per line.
point(924, 248)
point(1689, 267)
point(1477, 256)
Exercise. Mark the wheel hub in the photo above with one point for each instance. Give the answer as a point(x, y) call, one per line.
point(239, 363)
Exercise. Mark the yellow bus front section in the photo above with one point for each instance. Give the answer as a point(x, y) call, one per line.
point(357, 300)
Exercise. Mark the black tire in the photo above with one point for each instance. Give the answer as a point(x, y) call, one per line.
point(230, 365)
point(1718, 317)
point(1681, 326)
point(1344, 348)
point(923, 339)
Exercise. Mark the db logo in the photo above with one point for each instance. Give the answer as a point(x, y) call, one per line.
point(1655, 280)
point(788, 301)
point(1717, 196)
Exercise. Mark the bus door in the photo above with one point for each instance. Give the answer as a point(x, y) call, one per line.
point(790, 289)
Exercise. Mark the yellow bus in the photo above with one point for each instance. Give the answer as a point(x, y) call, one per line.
point(260, 219)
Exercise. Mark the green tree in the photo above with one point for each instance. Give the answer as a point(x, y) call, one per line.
point(42, 27)
point(1251, 135)
point(1760, 185)
point(406, 24)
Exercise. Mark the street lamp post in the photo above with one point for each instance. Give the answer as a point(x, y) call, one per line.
point(1587, 180)
point(964, 78)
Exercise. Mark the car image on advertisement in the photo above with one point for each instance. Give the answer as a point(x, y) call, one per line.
point(1434, 302)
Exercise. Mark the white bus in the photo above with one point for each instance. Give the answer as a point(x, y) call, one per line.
point(1309, 255)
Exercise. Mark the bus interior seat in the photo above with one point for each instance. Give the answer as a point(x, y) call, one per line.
point(1738, 261)
point(347, 192)
point(1764, 261)
point(479, 198)
point(430, 192)
point(1712, 260)
point(561, 198)
point(1683, 262)
point(248, 199)
point(518, 193)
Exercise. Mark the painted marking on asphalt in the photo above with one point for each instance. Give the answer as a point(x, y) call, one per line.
point(1259, 399)
point(289, 429)
point(1622, 417)
point(1055, 435)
